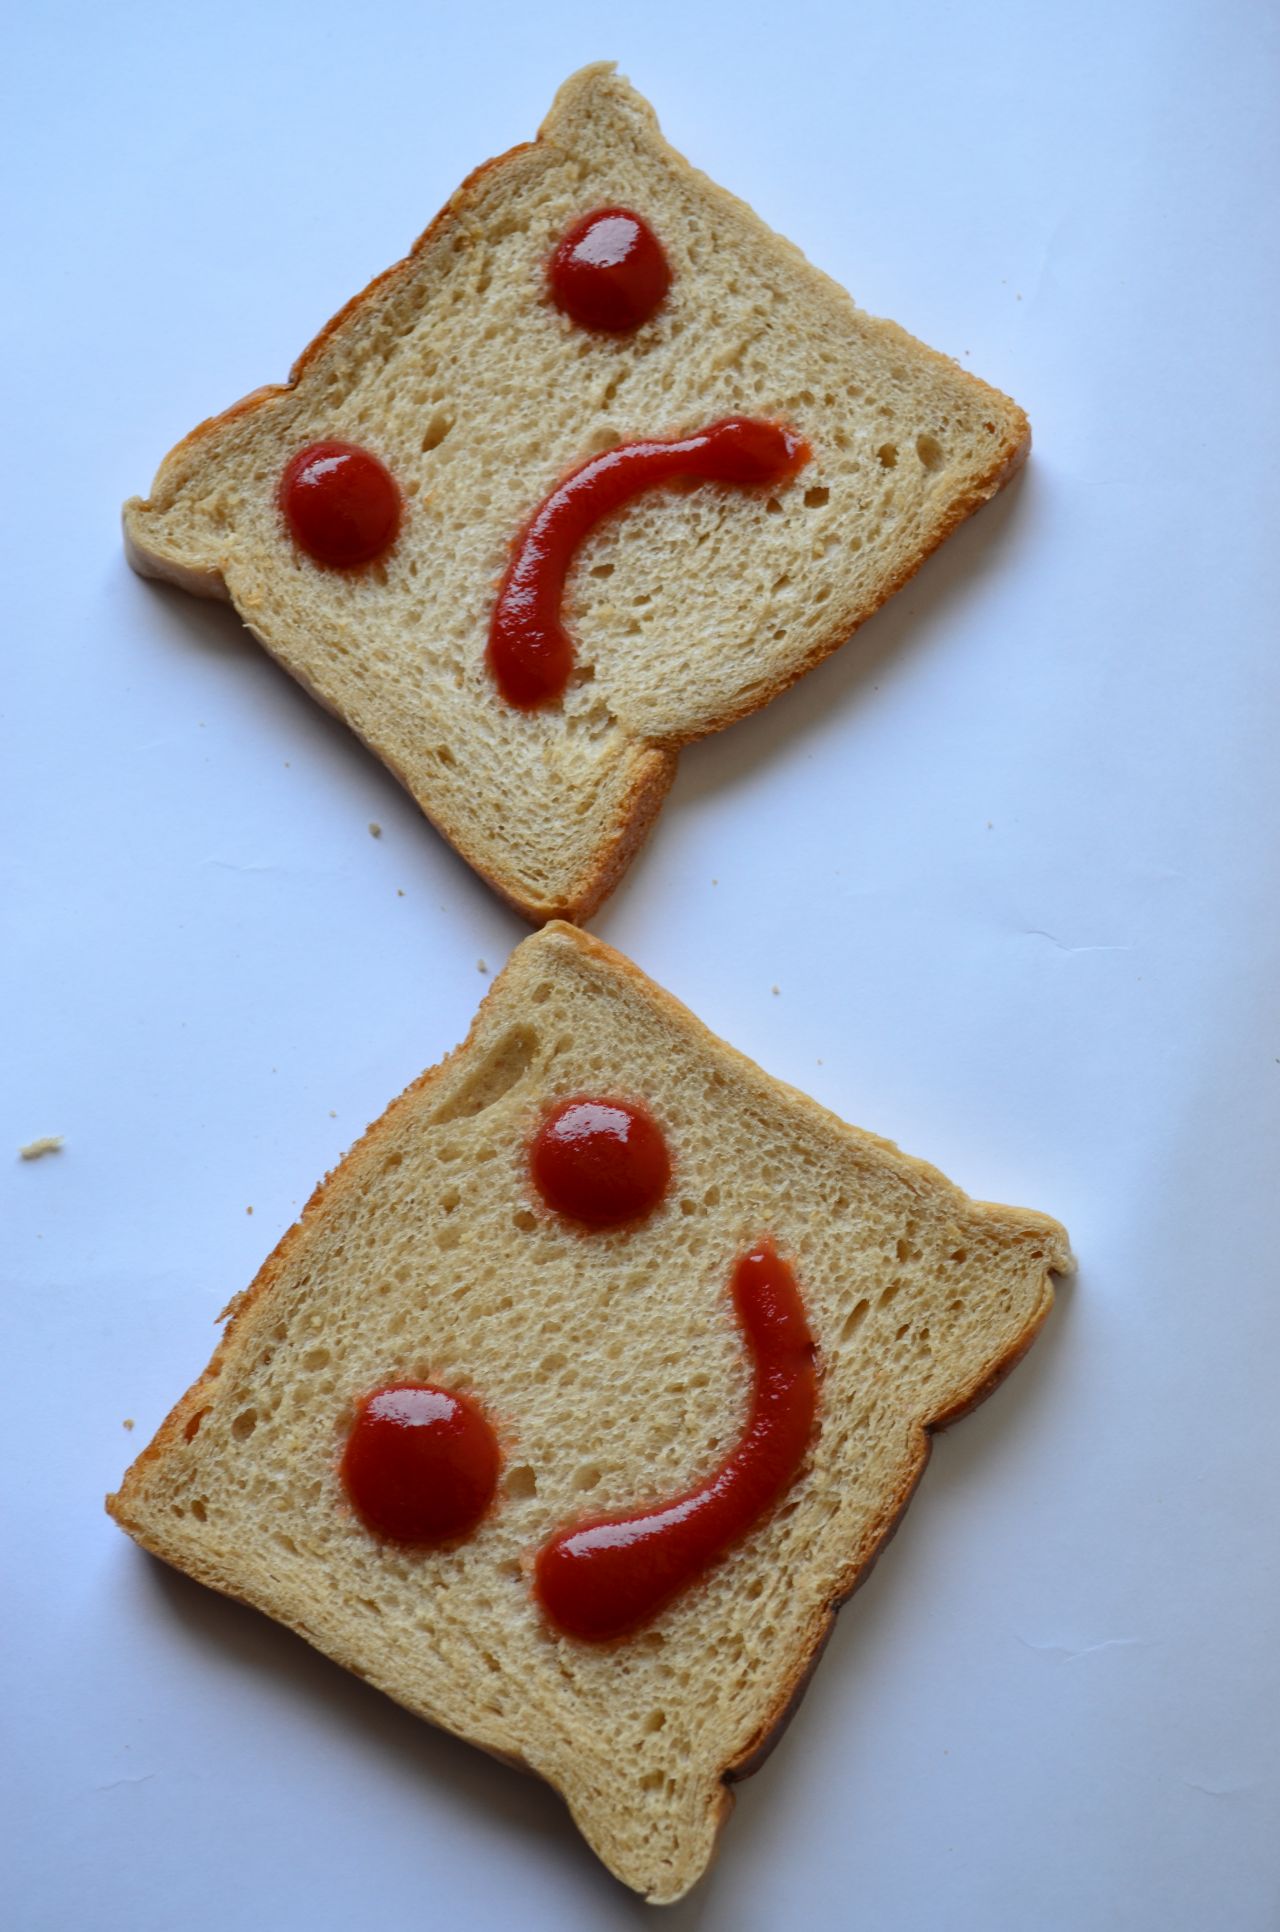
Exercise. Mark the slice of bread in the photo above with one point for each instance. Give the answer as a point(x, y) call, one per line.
point(616, 1373)
point(687, 610)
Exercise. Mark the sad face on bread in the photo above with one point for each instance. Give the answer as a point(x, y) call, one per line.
point(602, 466)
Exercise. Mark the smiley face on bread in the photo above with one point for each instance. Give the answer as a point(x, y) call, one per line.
point(683, 1335)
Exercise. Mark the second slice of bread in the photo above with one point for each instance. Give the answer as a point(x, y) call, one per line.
point(617, 1374)
point(687, 611)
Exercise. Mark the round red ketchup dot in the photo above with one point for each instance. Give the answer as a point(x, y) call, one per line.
point(610, 272)
point(341, 504)
point(601, 1162)
point(421, 1464)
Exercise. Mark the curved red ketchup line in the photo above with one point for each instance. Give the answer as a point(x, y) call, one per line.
point(607, 1578)
point(530, 653)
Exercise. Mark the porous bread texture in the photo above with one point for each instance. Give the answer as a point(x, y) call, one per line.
point(613, 1368)
point(688, 610)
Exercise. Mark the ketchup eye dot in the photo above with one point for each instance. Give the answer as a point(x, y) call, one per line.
point(600, 1162)
point(342, 505)
point(421, 1463)
point(610, 272)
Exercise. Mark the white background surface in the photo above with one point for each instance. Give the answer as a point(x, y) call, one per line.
point(1010, 859)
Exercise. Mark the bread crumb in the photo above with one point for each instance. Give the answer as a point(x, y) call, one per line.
point(775, 990)
point(248, 1210)
point(399, 892)
point(333, 1113)
point(127, 1423)
point(715, 882)
point(481, 966)
point(46, 1144)
point(375, 830)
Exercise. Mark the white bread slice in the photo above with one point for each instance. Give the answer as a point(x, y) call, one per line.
point(618, 1375)
point(688, 611)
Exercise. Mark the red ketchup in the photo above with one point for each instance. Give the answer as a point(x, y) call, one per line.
point(602, 1162)
point(341, 504)
point(609, 272)
point(607, 1578)
point(421, 1463)
point(530, 653)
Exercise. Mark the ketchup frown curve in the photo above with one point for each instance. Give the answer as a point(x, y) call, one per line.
point(421, 1463)
point(607, 1578)
point(601, 1162)
point(341, 504)
point(530, 653)
point(609, 272)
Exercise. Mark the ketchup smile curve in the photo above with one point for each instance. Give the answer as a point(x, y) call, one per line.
point(607, 1578)
point(530, 654)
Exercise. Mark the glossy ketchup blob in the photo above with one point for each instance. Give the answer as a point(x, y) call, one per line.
point(341, 504)
point(601, 1162)
point(530, 653)
point(421, 1463)
point(607, 1578)
point(610, 272)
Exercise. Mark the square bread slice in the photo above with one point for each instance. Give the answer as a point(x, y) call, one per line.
point(617, 1371)
point(687, 611)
